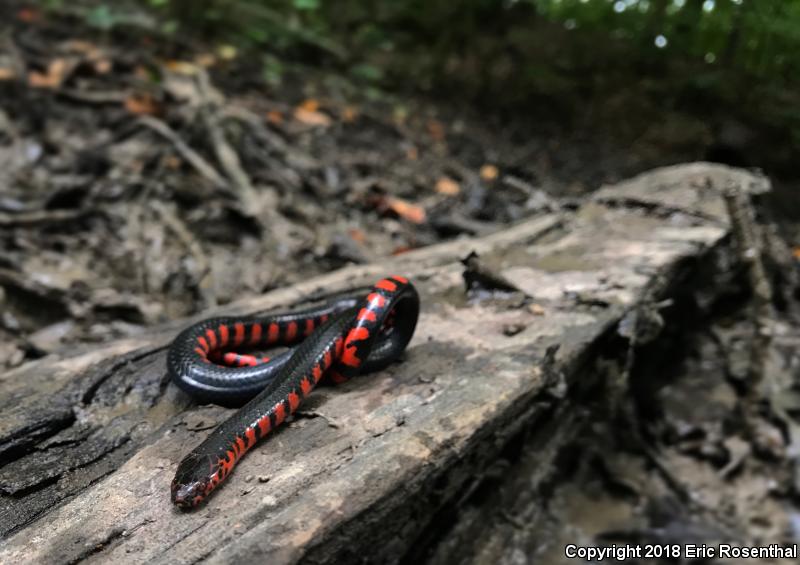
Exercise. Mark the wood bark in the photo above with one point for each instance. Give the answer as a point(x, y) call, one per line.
point(89, 440)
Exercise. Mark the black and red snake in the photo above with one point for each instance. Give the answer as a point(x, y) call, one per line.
point(338, 340)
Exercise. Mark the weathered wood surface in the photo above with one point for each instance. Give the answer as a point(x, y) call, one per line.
point(89, 442)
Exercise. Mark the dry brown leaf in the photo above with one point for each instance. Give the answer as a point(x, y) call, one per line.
point(448, 186)
point(311, 117)
point(349, 114)
point(536, 309)
point(436, 130)
point(275, 117)
point(141, 72)
point(205, 60)
point(310, 105)
point(28, 15)
point(412, 153)
point(90, 53)
point(81, 46)
point(182, 67)
point(796, 252)
point(172, 162)
point(406, 210)
point(357, 235)
point(489, 172)
point(102, 66)
point(7, 74)
point(56, 72)
point(141, 104)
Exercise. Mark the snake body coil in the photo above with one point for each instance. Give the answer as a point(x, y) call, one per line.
point(338, 340)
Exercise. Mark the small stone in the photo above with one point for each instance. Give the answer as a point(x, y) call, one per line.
point(513, 329)
point(536, 309)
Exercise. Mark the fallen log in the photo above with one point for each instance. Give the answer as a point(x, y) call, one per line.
point(89, 440)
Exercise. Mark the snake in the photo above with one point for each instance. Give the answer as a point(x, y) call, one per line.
point(335, 342)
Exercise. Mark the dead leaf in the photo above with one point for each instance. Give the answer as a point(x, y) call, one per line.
point(357, 235)
point(436, 130)
point(274, 117)
point(309, 114)
point(227, 52)
point(142, 73)
point(172, 162)
point(349, 114)
point(489, 172)
point(796, 252)
point(309, 105)
point(81, 46)
point(7, 74)
point(90, 52)
point(28, 15)
point(412, 153)
point(182, 67)
point(141, 104)
point(536, 309)
point(102, 66)
point(448, 186)
point(205, 60)
point(406, 210)
point(57, 71)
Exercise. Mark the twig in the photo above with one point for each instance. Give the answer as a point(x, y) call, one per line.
point(9, 277)
point(779, 258)
point(253, 204)
point(747, 238)
point(9, 46)
point(227, 157)
point(190, 155)
point(658, 209)
point(255, 123)
point(641, 325)
point(41, 217)
point(98, 97)
point(174, 223)
point(268, 143)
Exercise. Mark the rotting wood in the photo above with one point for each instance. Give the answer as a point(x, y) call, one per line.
point(90, 441)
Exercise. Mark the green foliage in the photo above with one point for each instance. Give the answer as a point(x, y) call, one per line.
point(761, 37)
point(272, 70)
point(306, 4)
point(101, 17)
point(710, 52)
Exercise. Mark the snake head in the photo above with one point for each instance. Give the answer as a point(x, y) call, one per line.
point(195, 479)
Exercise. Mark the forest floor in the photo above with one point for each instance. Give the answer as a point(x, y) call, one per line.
point(131, 179)
point(138, 185)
